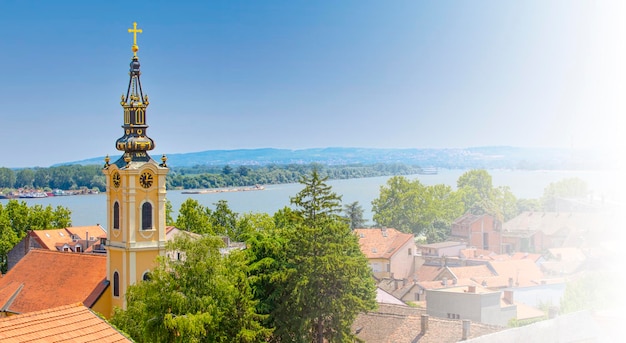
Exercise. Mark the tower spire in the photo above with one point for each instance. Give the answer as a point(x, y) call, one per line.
point(135, 143)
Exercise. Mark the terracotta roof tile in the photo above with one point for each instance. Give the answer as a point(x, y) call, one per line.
point(69, 323)
point(52, 279)
point(389, 326)
point(381, 243)
point(471, 271)
point(428, 273)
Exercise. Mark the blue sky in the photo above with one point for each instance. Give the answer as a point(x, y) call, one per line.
point(304, 74)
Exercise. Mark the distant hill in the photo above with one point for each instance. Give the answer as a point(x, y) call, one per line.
point(452, 158)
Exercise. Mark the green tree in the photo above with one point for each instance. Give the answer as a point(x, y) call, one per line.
point(476, 188)
point(169, 221)
point(205, 297)
point(409, 206)
point(354, 214)
point(566, 188)
point(224, 220)
point(319, 279)
point(7, 178)
point(194, 217)
point(481, 197)
point(24, 178)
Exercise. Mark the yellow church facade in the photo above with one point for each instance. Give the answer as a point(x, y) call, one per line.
point(135, 198)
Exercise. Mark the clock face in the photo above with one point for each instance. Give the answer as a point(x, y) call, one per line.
point(116, 179)
point(146, 179)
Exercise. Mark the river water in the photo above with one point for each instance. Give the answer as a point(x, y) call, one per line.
point(91, 209)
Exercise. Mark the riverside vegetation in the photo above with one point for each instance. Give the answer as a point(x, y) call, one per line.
point(71, 177)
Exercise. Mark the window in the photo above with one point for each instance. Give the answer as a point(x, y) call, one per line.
point(146, 276)
point(116, 215)
point(410, 252)
point(146, 216)
point(116, 284)
point(78, 249)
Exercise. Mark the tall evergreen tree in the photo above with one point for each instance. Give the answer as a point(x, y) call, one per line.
point(354, 214)
point(320, 279)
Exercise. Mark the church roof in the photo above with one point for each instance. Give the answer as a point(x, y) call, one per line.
point(69, 323)
point(44, 279)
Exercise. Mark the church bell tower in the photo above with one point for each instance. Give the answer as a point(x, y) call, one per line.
point(135, 189)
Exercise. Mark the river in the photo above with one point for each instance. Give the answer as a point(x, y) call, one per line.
point(91, 209)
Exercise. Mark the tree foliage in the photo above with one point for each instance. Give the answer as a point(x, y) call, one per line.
point(204, 297)
point(309, 272)
point(566, 188)
point(354, 213)
point(412, 207)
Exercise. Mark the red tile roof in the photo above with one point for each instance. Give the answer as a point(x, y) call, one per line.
point(381, 243)
point(50, 279)
point(471, 271)
point(69, 323)
point(428, 273)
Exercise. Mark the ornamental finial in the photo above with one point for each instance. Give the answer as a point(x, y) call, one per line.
point(134, 31)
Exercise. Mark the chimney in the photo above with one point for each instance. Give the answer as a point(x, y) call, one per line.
point(466, 329)
point(508, 297)
point(471, 289)
point(86, 239)
point(424, 323)
point(510, 282)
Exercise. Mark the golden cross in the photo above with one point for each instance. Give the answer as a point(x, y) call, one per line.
point(134, 31)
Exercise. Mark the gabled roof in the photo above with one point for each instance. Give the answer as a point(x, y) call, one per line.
point(381, 243)
point(69, 323)
point(526, 256)
point(428, 273)
point(50, 279)
point(467, 272)
point(522, 272)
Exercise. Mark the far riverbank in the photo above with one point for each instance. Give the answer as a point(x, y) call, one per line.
point(91, 209)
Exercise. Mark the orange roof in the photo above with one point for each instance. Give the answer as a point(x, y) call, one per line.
point(381, 243)
point(471, 271)
point(50, 239)
point(70, 323)
point(428, 273)
point(525, 256)
point(50, 279)
point(523, 273)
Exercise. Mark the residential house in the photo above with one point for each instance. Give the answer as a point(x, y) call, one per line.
point(78, 239)
point(478, 231)
point(390, 253)
point(68, 323)
point(470, 302)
